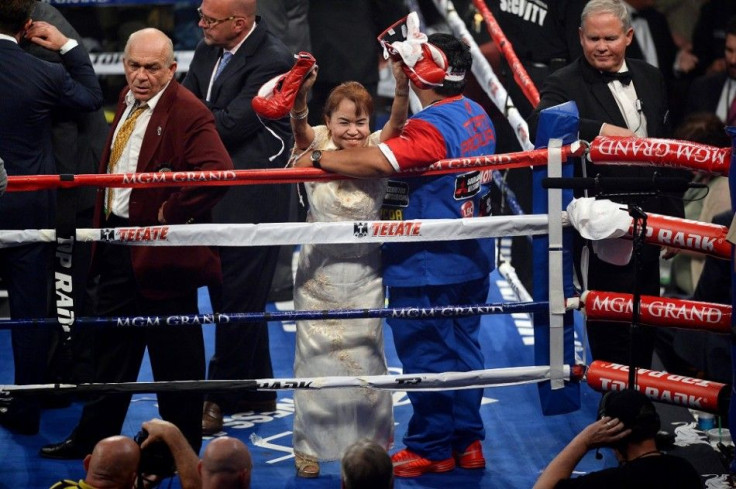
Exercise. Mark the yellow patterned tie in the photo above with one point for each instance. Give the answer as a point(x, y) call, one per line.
point(121, 140)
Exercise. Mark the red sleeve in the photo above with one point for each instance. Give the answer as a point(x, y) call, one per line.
point(419, 145)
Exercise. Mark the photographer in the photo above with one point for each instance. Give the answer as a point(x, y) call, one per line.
point(627, 423)
point(186, 461)
point(113, 464)
point(226, 463)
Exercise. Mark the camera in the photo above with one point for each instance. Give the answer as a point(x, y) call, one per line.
point(156, 458)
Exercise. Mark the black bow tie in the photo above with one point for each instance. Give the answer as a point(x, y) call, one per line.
point(624, 77)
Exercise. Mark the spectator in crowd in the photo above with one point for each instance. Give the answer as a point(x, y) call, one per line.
point(159, 127)
point(236, 57)
point(325, 423)
point(226, 463)
point(30, 90)
point(633, 105)
point(627, 423)
point(446, 427)
point(716, 92)
point(366, 465)
point(709, 34)
point(113, 464)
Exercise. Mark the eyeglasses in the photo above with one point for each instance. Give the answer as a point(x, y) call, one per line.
point(210, 21)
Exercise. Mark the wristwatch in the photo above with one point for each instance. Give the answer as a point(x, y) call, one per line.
point(315, 157)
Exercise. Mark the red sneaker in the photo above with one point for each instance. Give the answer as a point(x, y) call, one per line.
point(472, 458)
point(409, 464)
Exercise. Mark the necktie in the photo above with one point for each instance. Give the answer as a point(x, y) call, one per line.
point(624, 77)
point(226, 57)
point(121, 140)
point(731, 117)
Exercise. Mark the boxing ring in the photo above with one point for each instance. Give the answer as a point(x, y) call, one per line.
point(550, 381)
point(558, 375)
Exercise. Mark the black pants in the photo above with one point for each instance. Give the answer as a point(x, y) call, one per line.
point(242, 350)
point(176, 353)
point(24, 272)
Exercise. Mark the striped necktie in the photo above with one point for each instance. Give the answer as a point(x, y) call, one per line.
point(121, 141)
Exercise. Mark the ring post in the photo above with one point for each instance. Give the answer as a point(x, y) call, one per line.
point(554, 335)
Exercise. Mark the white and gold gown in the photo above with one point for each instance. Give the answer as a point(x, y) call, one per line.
point(340, 276)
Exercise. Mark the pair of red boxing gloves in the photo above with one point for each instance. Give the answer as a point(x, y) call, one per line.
point(424, 64)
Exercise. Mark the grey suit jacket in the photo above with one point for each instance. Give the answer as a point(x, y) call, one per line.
point(248, 141)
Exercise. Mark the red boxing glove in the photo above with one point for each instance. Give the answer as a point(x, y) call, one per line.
point(430, 70)
point(276, 97)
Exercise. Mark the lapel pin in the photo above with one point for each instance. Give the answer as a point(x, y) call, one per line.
point(158, 130)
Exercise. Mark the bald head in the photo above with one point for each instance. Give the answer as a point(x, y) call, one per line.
point(245, 7)
point(226, 464)
point(225, 23)
point(148, 62)
point(113, 464)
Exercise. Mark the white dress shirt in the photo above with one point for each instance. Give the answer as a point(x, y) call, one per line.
point(128, 162)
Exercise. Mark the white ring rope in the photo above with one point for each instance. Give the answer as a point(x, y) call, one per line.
point(298, 233)
point(407, 382)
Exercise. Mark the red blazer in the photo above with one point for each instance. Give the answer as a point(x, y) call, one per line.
point(180, 136)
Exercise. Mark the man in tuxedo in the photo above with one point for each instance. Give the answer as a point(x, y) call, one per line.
point(615, 96)
point(236, 57)
point(159, 126)
point(30, 90)
point(716, 92)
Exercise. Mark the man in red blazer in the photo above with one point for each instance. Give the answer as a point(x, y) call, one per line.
point(159, 126)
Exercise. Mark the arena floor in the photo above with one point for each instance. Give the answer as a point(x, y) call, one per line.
point(520, 441)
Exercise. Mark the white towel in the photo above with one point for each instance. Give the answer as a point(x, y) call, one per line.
point(603, 222)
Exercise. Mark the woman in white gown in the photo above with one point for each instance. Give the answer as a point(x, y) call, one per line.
point(341, 276)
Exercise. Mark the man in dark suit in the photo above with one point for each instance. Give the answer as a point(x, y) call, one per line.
point(30, 89)
point(235, 36)
point(78, 142)
point(159, 126)
point(716, 92)
point(635, 107)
